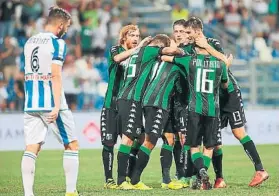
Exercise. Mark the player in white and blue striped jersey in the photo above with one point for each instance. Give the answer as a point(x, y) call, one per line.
point(45, 103)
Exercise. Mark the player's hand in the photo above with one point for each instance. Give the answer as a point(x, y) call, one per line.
point(201, 41)
point(181, 138)
point(145, 41)
point(229, 60)
point(52, 116)
point(173, 44)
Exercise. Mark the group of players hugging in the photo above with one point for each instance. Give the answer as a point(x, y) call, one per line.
point(186, 93)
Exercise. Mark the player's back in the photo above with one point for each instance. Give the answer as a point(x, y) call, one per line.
point(137, 72)
point(162, 84)
point(40, 52)
point(205, 74)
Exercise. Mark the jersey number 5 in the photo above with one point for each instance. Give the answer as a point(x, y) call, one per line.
point(132, 66)
point(202, 84)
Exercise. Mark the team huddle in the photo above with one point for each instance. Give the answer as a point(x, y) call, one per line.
point(186, 94)
point(182, 87)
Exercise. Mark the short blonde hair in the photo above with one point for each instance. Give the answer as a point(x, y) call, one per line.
point(125, 30)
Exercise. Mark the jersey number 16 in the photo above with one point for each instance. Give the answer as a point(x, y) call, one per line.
point(203, 84)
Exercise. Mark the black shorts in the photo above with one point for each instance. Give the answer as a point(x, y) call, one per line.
point(157, 121)
point(109, 126)
point(180, 119)
point(201, 129)
point(130, 118)
point(231, 110)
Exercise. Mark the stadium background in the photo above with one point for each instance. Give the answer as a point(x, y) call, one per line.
point(247, 28)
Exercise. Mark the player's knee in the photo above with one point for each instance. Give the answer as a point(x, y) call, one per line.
point(126, 140)
point(218, 147)
point(72, 146)
point(151, 140)
point(34, 148)
point(239, 133)
point(169, 139)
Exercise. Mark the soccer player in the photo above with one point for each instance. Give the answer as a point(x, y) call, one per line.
point(129, 38)
point(205, 73)
point(137, 76)
point(167, 81)
point(232, 111)
point(45, 103)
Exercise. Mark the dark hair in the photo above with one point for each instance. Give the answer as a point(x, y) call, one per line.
point(57, 13)
point(195, 23)
point(161, 39)
point(179, 22)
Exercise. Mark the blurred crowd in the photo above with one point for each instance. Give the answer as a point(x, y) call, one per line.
point(250, 25)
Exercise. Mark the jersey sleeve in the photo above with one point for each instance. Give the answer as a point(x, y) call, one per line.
point(224, 78)
point(60, 51)
point(182, 61)
point(215, 44)
point(113, 52)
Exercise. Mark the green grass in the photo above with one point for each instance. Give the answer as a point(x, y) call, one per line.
point(49, 180)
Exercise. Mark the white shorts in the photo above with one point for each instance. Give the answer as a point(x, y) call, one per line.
point(36, 127)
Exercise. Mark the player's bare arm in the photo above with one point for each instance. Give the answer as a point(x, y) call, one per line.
point(167, 58)
point(126, 54)
point(56, 80)
point(172, 51)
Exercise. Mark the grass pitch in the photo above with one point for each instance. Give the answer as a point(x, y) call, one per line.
point(49, 179)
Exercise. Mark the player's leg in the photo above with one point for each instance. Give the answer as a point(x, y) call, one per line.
point(133, 154)
point(130, 117)
point(237, 122)
point(179, 158)
point(194, 139)
point(64, 129)
point(155, 120)
point(249, 147)
point(217, 157)
point(211, 127)
point(109, 135)
point(35, 132)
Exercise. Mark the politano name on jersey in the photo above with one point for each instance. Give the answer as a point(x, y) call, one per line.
point(205, 73)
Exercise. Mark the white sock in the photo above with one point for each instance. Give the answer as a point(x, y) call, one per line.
point(71, 164)
point(28, 172)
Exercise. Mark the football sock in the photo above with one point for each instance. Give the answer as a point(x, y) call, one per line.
point(133, 158)
point(198, 161)
point(108, 157)
point(166, 160)
point(217, 162)
point(143, 158)
point(179, 159)
point(252, 152)
point(207, 161)
point(28, 172)
point(71, 165)
point(189, 166)
point(123, 159)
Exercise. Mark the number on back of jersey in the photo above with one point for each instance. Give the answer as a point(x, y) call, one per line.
point(35, 60)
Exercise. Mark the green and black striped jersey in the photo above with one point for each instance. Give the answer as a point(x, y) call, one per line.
point(116, 76)
point(166, 79)
point(190, 49)
point(137, 73)
point(204, 74)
